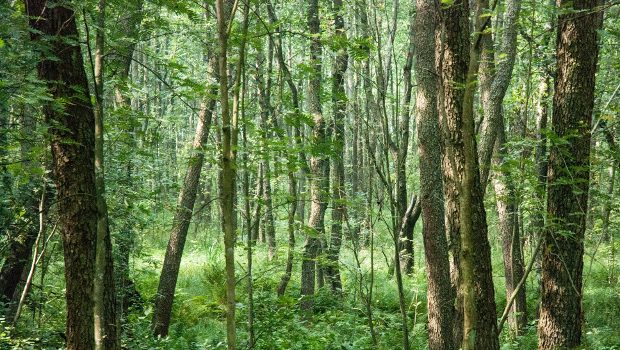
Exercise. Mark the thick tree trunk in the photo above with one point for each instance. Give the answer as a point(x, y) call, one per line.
point(72, 143)
point(319, 165)
point(181, 221)
point(451, 63)
point(441, 295)
point(474, 238)
point(465, 198)
point(561, 313)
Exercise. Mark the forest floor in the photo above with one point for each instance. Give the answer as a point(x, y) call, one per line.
point(338, 323)
point(341, 323)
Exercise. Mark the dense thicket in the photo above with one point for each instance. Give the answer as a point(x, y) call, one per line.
point(318, 174)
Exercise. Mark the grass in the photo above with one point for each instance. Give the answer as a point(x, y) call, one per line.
point(338, 323)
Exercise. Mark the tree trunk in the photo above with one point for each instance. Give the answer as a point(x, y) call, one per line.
point(451, 65)
point(292, 192)
point(319, 165)
point(510, 237)
point(72, 143)
point(441, 295)
point(561, 313)
point(259, 204)
point(541, 158)
point(474, 255)
point(266, 124)
point(228, 169)
point(107, 335)
point(182, 219)
point(494, 83)
point(339, 100)
point(406, 236)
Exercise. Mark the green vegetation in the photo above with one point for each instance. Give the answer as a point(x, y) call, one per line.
point(339, 140)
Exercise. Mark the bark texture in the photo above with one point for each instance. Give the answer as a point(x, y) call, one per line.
point(339, 100)
point(319, 165)
point(440, 298)
point(561, 313)
point(180, 224)
point(107, 335)
point(494, 82)
point(459, 65)
point(228, 169)
point(72, 142)
point(451, 63)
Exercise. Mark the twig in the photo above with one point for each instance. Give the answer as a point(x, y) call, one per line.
point(521, 283)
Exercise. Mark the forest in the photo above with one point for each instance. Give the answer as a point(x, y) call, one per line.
point(309, 174)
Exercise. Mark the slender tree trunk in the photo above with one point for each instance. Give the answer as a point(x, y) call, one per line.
point(319, 165)
point(250, 242)
point(223, 11)
point(259, 204)
point(607, 205)
point(239, 108)
point(541, 157)
point(339, 100)
point(73, 162)
point(561, 313)
point(290, 253)
point(511, 239)
point(182, 217)
point(441, 295)
point(493, 85)
point(406, 236)
point(296, 208)
point(270, 227)
point(263, 82)
point(17, 307)
point(107, 335)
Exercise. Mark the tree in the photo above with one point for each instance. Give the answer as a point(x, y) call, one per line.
point(441, 295)
point(107, 335)
point(465, 211)
point(72, 142)
point(561, 313)
point(181, 221)
point(319, 163)
point(223, 13)
point(494, 82)
point(339, 100)
point(184, 211)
